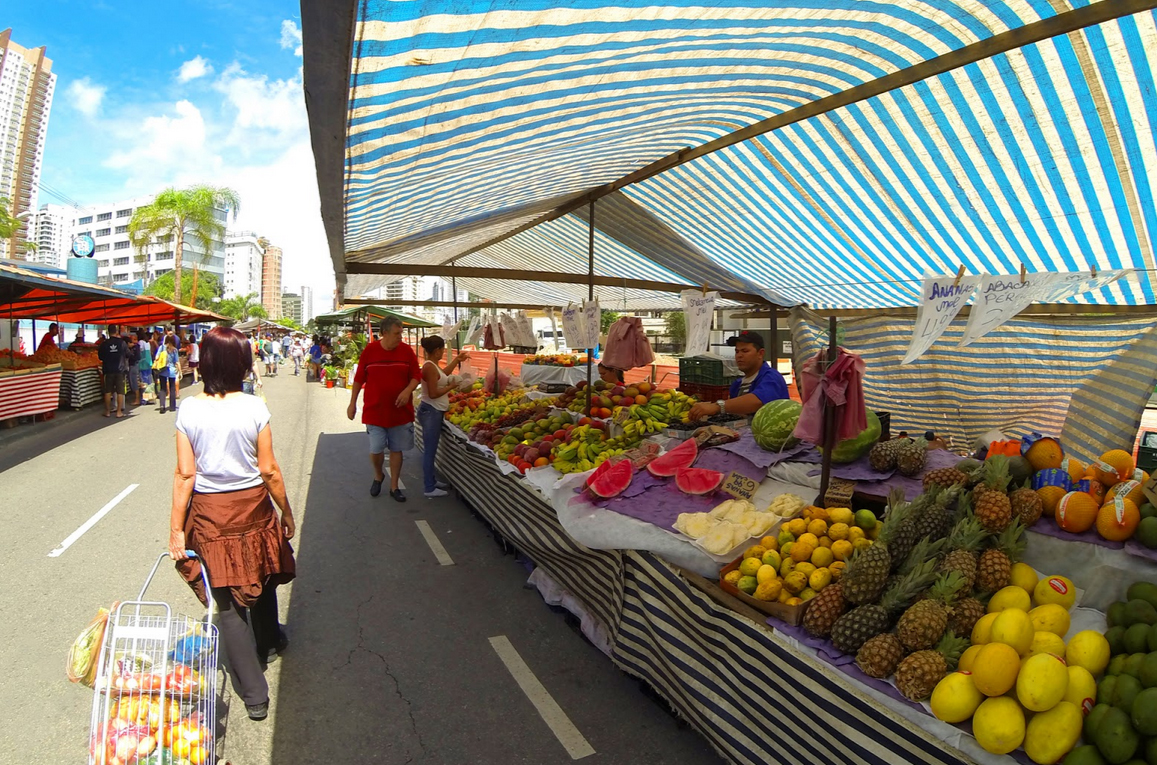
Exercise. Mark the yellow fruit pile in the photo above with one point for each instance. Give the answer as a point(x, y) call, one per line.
point(1020, 663)
point(809, 553)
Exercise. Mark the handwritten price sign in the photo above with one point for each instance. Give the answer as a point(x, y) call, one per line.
point(740, 486)
point(1001, 297)
point(698, 310)
point(941, 299)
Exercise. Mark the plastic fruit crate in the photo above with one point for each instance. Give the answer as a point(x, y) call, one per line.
point(703, 371)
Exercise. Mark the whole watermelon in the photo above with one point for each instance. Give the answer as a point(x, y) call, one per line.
point(851, 449)
point(773, 424)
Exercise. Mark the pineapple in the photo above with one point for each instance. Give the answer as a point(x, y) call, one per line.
point(880, 656)
point(993, 508)
point(906, 534)
point(918, 674)
point(964, 614)
point(867, 571)
point(882, 457)
point(936, 520)
point(861, 624)
point(994, 569)
point(964, 543)
point(911, 455)
point(923, 624)
point(1026, 505)
point(823, 611)
point(945, 478)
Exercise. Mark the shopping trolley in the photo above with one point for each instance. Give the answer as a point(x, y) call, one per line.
point(155, 700)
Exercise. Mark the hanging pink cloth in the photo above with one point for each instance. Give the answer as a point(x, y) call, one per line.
point(494, 338)
point(627, 345)
point(843, 386)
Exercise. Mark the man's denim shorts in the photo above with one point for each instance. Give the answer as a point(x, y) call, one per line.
point(399, 438)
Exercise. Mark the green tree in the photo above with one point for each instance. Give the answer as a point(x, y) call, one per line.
point(676, 327)
point(181, 213)
point(9, 224)
point(241, 307)
point(606, 319)
point(208, 287)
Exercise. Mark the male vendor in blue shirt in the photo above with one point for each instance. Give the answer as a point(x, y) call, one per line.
point(759, 384)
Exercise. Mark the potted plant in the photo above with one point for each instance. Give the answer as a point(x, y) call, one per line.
point(330, 375)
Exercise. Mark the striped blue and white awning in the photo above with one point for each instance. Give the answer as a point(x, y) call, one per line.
point(984, 133)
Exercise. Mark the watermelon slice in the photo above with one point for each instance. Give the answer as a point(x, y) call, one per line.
point(682, 456)
point(602, 468)
point(697, 480)
point(612, 481)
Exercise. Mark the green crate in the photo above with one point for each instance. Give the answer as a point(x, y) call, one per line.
point(701, 371)
point(1147, 451)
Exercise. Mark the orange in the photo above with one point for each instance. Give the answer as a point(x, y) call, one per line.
point(1117, 520)
point(1096, 490)
point(541, 462)
point(1076, 512)
point(1074, 467)
point(1050, 496)
point(1131, 489)
point(1045, 453)
point(1115, 465)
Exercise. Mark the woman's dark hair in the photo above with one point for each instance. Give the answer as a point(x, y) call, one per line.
point(226, 359)
point(618, 372)
point(432, 343)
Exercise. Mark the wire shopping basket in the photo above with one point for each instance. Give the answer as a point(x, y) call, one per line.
point(155, 700)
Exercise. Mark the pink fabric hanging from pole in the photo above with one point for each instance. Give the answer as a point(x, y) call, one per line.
point(843, 386)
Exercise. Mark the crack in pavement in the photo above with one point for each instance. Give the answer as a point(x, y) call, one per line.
point(397, 686)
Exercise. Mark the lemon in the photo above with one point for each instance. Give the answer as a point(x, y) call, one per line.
point(1082, 690)
point(785, 549)
point(1052, 734)
point(1090, 650)
point(1024, 577)
point(819, 579)
point(1009, 597)
point(771, 558)
point(795, 582)
point(749, 566)
point(995, 668)
point(823, 557)
point(784, 596)
point(755, 551)
point(810, 539)
point(861, 544)
point(1051, 617)
point(785, 537)
point(766, 573)
point(817, 528)
point(826, 542)
point(796, 526)
point(786, 567)
point(837, 570)
point(806, 568)
point(732, 576)
point(769, 590)
point(955, 698)
point(1055, 589)
point(1042, 682)
point(769, 543)
point(1013, 627)
point(747, 584)
point(1046, 642)
point(842, 515)
point(999, 725)
point(839, 531)
point(854, 533)
point(807, 594)
point(982, 630)
point(968, 658)
point(842, 549)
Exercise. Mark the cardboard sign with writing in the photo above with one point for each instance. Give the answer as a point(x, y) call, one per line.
point(941, 298)
point(592, 322)
point(698, 311)
point(1000, 297)
point(740, 486)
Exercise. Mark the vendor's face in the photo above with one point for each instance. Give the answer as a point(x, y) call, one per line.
point(392, 337)
point(748, 358)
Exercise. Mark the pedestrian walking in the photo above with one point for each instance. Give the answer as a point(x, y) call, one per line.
point(437, 382)
point(388, 370)
point(315, 358)
point(165, 371)
point(193, 355)
point(134, 368)
point(114, 355)
point(227, 482)
point(298, 353)
point(145, 370)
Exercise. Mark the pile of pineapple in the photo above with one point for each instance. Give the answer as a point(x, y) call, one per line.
point(809, 553)
point(906, 605)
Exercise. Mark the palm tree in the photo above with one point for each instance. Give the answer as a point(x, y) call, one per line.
point(242, 307)
point(179, 213)
point(8, 223)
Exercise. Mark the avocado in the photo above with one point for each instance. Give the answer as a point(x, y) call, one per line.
point(1145, 712)
point(1116, 740)
point(1148, 673)
point(1093, 721)
point(1084, 755)
point(1140, 612)
point(1136, 638)
point(1148, 511)
point(1020, 470)
point(1117, 665)
point(1147, 532)
point(1133, 664)
point(1116, 614)
point(1126, 693)
point(1106, 688)
point(1116, 638)
point(1152, 640)
point(1146, 591)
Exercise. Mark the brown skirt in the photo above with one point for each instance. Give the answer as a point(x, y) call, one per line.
point(238, 535)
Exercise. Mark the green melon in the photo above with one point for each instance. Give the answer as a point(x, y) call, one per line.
point(851, 449)
point(773, 424)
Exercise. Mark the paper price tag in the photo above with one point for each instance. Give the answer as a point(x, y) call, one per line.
point(740, 486)
point(698, 309)
point(941, 298)
point(1001, 297)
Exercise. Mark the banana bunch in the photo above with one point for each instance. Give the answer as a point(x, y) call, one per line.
point(638, 429)
point(570, 466)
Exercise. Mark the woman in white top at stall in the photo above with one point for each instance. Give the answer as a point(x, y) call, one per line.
point(436, 386)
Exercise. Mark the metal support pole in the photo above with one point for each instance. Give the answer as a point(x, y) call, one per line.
point(829, 417)
point(458, 332)
point(590, 296)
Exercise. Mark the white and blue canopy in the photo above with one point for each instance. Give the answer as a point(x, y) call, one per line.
point(826, 152)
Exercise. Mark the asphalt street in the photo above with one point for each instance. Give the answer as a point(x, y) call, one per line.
point(394, 657)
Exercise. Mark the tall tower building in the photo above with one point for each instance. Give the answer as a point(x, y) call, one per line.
point(271, 281)
point(291, 306)
point(26, 87)
point(244, 261)
point(51, 232)
point(306, 305)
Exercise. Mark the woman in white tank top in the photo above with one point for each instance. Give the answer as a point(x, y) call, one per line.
point(436, 386)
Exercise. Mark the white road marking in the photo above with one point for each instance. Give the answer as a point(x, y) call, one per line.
point(435, 546)
point(560, 725)
point(67, 543)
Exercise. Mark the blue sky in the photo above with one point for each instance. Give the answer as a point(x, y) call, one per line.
point(152, 94)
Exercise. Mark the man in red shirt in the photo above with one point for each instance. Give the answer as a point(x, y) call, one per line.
point(389, 372)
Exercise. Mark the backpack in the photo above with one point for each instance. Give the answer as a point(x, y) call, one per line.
point(162, 359)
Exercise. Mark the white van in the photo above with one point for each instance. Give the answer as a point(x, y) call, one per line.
point(547, 339)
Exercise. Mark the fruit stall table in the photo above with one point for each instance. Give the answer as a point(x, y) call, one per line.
point(539, 374)
point(79, 388)
point(755, 697)
point(29, 391)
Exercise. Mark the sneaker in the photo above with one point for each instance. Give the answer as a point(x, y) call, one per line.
point(442, 485)
point(437, 493)
point(258, 711)
point(375, 488)
point(397, 495)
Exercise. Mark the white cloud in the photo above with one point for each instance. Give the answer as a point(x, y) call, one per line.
point(262, 104)
point(194, 68)
point(162, 148)
point(85, 97)
point(291, 37)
